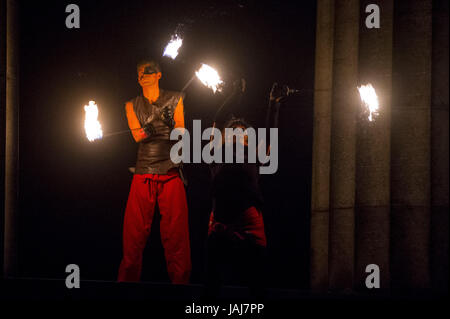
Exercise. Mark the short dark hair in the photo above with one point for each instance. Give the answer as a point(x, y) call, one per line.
point(235, 122)
point(155, 65)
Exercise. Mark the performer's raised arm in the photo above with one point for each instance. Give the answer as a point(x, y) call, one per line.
point(273, 110)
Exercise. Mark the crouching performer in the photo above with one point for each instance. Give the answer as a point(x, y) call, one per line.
point(236, 246)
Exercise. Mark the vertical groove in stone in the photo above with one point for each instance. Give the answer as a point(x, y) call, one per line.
point(3, 124)
point(321, 145)
point(11, 141)
point(343, 129)
point(410, 144)
point(373, 148)
point(439, 147)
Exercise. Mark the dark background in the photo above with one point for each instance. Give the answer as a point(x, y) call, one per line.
point(73, 193)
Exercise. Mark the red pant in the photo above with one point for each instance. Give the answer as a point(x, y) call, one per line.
point(168, 191)
point(250, 222)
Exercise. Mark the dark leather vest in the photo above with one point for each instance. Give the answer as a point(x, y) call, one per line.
point(154, 154)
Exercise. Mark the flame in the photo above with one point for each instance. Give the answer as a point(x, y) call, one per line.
point(370, 99)
point(209, 77)
point(172, 47)
point(91, 124)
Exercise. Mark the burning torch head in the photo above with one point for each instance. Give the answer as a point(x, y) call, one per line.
point(370, 101)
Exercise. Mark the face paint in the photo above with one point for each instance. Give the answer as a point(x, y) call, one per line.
point(150, 70)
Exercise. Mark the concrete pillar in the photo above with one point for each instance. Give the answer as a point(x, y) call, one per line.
point(11, 141)
point(373, 149)
point(320, 207)
point(3, 123)
point(343, 129)
point(410, 144)
point(439, 147)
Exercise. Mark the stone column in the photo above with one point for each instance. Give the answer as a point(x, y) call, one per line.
point(373, 148)
point(3, 123)
point(343, 138)
point(439, 147)
point(320, 206)
point(410, 144)
point(11, 141)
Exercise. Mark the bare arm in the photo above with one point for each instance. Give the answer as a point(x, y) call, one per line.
point(133, 123)
point(178, 115)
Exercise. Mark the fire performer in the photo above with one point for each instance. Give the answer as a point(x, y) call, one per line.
point(236, 236)
point(156, 181)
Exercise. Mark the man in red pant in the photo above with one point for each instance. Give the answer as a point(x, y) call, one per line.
point(151, 117)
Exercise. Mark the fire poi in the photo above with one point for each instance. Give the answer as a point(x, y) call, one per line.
point(91, 124)
point(370, 100)
point(173, 46)
point(209, 77)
